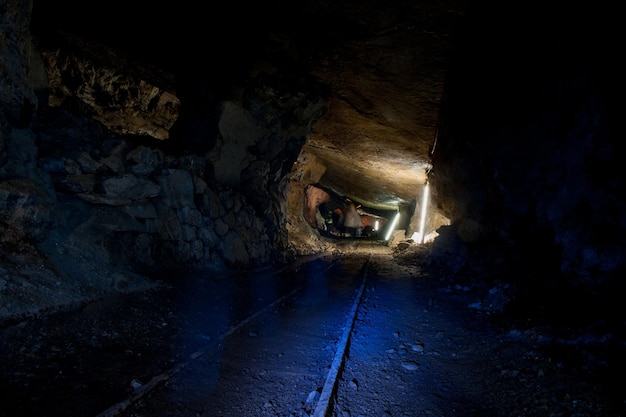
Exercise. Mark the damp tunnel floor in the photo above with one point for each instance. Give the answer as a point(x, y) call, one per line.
point(263, 345)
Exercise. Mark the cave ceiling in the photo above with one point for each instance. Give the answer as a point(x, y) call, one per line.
point(387, 74)
point(384, 61)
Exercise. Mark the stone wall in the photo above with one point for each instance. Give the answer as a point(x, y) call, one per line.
point(91, 176)
point(526, 160)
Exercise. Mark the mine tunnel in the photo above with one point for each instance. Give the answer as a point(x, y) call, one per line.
point(311, 208)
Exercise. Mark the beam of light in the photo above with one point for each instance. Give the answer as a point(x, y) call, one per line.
point(376, 225)
point(393, 225)
point(423, 213)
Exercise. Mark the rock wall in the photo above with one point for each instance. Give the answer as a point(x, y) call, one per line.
point(92, 179)
point(303, 212)
point(526, 161)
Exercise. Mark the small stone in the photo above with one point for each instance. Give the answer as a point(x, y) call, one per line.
point(417, 347)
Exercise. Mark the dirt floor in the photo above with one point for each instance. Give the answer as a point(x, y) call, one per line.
point(422, 345)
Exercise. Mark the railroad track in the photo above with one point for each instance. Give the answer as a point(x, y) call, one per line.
point(284, 359)
point(215, 348)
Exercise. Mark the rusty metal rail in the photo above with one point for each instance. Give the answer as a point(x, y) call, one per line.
point(121, 406)
point(324, 404)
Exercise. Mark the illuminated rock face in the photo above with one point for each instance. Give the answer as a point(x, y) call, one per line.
point(313, 197)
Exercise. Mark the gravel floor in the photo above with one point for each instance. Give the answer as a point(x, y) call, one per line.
point(421, 346)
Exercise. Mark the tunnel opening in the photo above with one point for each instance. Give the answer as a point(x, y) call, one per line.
point(337, 216)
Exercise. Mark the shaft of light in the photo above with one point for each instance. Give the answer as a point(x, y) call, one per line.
point(393, 226)
point(423, 213)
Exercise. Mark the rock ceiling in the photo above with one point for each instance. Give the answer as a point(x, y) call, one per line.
point(387, 80)
point(385, 63)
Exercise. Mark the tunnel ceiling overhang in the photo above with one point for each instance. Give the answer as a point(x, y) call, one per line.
point(368, 162)
point(387, 81)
